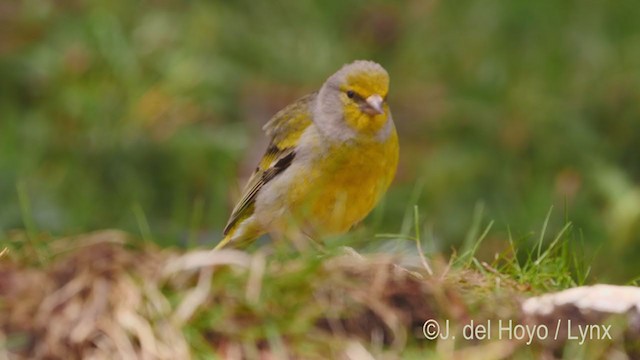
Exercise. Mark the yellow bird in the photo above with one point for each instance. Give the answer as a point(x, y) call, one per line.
point(332, 156)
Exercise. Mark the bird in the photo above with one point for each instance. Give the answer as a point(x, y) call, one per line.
point(332, 155)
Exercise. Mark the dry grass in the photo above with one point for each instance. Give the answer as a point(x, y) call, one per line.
point(98, 300)
point(100, 296)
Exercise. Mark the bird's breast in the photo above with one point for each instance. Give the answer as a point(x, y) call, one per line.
point(345, 183)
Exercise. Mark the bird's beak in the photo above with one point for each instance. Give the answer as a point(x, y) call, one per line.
point(375, 104)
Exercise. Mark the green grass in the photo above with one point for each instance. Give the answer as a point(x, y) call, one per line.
point(306, 304)
point(119, 110)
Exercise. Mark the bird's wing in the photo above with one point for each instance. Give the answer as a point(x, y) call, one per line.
point(284, 129)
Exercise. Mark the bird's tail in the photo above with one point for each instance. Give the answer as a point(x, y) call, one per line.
point(223, 242)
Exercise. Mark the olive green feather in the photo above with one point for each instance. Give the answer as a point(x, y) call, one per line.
point(284, 129)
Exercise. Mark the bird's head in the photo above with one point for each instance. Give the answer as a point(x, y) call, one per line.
point(354, 98)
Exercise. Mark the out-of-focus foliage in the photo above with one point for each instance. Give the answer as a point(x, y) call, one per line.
point(142, 114)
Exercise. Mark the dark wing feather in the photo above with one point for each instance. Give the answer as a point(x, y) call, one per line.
point(285, 128)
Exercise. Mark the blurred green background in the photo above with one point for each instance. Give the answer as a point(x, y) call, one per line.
point(119, 114)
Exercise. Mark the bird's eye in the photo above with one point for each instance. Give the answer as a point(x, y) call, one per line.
point(351, 94)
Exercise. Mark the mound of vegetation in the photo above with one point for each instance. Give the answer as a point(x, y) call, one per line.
point(104, 295)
